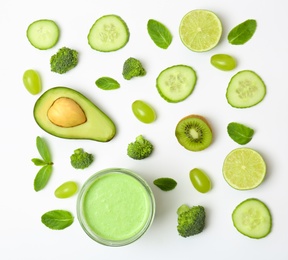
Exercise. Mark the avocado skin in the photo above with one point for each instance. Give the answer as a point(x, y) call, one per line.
point(98, 127)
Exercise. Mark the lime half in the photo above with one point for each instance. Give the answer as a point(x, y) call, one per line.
point(200, 30)
point(244, 169)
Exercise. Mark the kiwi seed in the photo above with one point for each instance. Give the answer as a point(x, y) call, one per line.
point(194, 133)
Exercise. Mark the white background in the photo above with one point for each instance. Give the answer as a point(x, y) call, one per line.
point(23, 236)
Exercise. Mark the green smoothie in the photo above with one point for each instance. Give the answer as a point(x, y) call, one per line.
point(116, 206)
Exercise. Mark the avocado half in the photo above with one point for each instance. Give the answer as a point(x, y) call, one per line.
point(97, 125)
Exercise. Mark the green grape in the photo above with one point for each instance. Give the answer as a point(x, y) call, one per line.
point(66, 190)
point(223, 62)
point(143, 112)
point(200, 180)
point(32, 81)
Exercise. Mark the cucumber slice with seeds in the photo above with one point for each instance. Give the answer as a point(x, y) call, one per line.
point(43, 34)
point(176, 83)
point(252, 218)
point(245, 89)
point(108, 33)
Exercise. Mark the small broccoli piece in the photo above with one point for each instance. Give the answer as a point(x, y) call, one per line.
point(191, 220)
point(81, 159)
point(64, 60)
point(132, 68)
point(140, 149)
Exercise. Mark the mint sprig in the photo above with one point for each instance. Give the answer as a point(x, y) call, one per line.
point(44, 174)
point(243, 32)
point(38, 162)
point(240, 133)
point(43, 149)
point(159, 33)
point(165, 184)
point(42, 177)
point(57, 219)
point(107, 83)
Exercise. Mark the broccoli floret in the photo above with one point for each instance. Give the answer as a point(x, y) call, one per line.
point(132, 68)
point(139, 149)
point(191, 220)
point(81, 159)
point(64, 60)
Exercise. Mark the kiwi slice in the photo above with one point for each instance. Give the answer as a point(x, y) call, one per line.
point(194, 133)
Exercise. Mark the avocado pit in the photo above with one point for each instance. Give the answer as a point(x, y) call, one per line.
point(65, 112)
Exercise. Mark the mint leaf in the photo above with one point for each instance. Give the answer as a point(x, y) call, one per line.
point(107, 83)
point(42, 177)
point(243, 32)
point(43, 150)
point(240, 133)
point(38, 162)
point(165, 184)
point(159, 33)
point(57, 219)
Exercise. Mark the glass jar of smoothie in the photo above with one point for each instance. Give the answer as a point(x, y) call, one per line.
point(115, 207)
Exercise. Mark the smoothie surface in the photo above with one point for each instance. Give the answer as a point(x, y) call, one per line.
point(116, 206)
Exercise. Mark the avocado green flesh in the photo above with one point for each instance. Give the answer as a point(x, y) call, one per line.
point(98, 127)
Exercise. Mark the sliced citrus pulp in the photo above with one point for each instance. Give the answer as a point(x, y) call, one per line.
point(200, 30)
point(244, 169)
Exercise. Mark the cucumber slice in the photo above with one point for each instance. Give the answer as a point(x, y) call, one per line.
point(245, 89)
point(176, 83)
point(252, 218)
point(43, 34)
point(108, 33)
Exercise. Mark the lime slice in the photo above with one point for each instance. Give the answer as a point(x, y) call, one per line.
point(200, 30)
point(244, 169)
